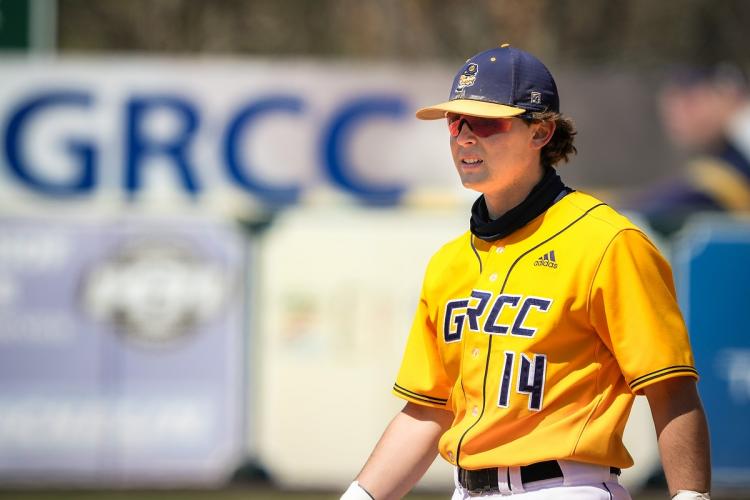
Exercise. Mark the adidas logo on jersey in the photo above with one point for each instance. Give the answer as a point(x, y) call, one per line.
point(547, 260)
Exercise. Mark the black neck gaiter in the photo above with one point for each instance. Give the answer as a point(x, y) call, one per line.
point(541, 197)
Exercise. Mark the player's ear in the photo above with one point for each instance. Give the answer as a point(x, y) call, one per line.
point(543, 133)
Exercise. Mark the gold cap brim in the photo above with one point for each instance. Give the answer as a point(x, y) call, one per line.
point(469, 107)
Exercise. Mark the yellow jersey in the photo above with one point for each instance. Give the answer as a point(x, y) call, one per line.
point(539, 341)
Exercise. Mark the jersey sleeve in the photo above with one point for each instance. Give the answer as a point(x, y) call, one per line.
point(633, 307)
point(422, 377)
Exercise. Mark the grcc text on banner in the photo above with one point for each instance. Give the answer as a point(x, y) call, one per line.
point(142, 143)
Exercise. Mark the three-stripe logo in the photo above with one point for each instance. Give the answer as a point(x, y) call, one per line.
point(547, 260)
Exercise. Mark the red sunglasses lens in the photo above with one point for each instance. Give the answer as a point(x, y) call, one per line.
point(482, 127)
point(454, 123)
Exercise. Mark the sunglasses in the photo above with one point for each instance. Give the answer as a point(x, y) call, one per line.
point(482, 127)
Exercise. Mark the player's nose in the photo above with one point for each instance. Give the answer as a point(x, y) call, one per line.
point(465, 135)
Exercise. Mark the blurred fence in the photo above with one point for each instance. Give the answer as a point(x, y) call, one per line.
point(714, 287)
point(122, 350)
point(138, 351)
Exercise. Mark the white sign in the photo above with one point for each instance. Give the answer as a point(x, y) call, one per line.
point(217, 133)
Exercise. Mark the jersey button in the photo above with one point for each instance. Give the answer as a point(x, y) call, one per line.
point(493, 277)
point(450, 456)
point(475, 352)
point(475, 411)
point(499, 249)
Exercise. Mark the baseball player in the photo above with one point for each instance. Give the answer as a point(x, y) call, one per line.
point(537, 327)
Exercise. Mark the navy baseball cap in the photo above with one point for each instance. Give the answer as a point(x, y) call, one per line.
point(499, 83)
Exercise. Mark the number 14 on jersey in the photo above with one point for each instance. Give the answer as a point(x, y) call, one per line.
point(530, 381)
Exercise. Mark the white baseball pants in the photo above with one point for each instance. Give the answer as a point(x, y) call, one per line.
point(580, 481)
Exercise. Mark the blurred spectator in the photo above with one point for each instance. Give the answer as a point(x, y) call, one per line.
point(706, 112)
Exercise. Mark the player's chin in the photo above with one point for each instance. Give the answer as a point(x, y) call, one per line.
point(471, 182)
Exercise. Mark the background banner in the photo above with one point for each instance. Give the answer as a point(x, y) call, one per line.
point(121, 350)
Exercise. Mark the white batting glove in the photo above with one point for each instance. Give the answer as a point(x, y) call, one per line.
point(356, 492)
point(690, 495)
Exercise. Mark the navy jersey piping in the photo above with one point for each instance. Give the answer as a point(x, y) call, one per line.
point(489, 345)
point(635, 384)
point(471, 242)
point(415, 395)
